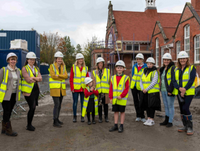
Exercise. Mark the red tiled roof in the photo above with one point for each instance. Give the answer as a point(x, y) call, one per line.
point(141, 24)
point(169, 31)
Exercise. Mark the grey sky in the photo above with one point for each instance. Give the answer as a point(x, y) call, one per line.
point(79, 19)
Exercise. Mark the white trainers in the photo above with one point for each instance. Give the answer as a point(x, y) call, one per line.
point(143, 120)
point(145, 123)
point(138, 119)
point(150, 123)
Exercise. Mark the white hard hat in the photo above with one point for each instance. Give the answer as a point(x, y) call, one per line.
point(88, 80)
point(150, 60)
point(139, 55)
point(58, 54)
point(31, 55)
point(11, 55)
point(120, 63)
point(167, 56)
point(100, 59)
point(183, 54)
point(79, 56)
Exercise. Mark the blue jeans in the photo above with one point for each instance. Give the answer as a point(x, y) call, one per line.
point(169, 105)
point(75, 101)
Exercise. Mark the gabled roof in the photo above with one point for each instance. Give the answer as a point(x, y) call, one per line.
point(141, 24)
point(195, 13)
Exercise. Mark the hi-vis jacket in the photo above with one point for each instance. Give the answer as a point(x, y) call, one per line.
point(102, 85)
point(5, 89)
point(79, 77)
point(85, 104)
point(117, 90)
point(27, 87)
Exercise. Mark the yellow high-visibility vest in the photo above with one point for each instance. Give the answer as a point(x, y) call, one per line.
point(79, 77)
point(85, 104)
point(102, 85)
point(3, 86)
point(28, 87)
point(146, 81)
point(56, 84)
point(117, 90)
point(136, 78)
point(185, 79)
point(169, 79)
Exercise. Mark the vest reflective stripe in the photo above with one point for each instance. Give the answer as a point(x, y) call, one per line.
point(85, 104)
point(102, 85)
point(27, 87)
point(169, 79)
point(117, 90)
point(185, 79)
point(3, 86)
point(56, 84)
point(146, 81)
point(136, 78)
point(79, 77)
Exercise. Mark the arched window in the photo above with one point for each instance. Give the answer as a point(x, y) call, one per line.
point(178, 48)
point(157, 51)
point(110, 41)
point(197, 49)
point(187, 39)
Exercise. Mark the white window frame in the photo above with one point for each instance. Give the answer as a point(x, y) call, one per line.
point(157, 52)
point(187, 37)
point(98, 54)
point(110, 41)
point(178, 48)
point(196, 48)
point(129, 45)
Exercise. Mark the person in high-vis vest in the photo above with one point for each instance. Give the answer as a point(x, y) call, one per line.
point(30, 88)
point(10, 91)
point(167, 88)
point(150, 94)
point(90, 104)
point(101, 78)
point(79, 72)
point(118, 95)
point(137, 70)
point(57, 77)
point(185, 90)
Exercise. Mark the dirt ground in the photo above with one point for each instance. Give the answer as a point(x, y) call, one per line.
point(80, 136)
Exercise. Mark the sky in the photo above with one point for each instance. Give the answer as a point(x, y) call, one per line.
point(78, 19)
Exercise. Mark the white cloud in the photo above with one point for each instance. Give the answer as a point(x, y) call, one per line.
point(85, 32)
point(176, 9)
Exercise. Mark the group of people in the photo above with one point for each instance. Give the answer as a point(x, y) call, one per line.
point(98, 89)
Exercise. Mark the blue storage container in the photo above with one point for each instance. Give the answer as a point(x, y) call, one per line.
point(44, 69)
point(19, 52)
point(32, 38)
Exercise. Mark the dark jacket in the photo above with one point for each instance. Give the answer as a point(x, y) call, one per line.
point(170, 87)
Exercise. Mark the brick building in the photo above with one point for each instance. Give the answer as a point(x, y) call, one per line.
point(151, 33)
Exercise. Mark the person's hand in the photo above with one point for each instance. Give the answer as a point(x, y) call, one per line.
point(119, 97)
point(72, 91)
point(183, 90)
point(182, 95)
point(56, 75)
point(92, 88)
point(32, 79)
point(169, 93)
point(144, 91)
point(111, 101)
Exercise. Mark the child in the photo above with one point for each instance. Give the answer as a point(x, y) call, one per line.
point(90, 104)
point(150, 97)
point(118, 94)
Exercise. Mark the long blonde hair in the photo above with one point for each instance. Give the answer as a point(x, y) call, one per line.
point(187, 63)
point(76, 63)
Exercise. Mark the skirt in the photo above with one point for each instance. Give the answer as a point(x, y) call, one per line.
point(91, 105)
point(118, 108)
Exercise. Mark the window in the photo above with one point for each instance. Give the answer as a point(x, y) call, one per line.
point(187, 39)
point(110, 41)
point(136, 47)
point(157, 51)
point(178, 48)
point(197, 49)
point(129, 47)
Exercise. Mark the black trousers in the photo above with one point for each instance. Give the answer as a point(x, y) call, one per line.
point(185, 106)
point(8, 107)
point(57, 106)
point(150, 112)
point(105, 106)
point(32, 101)
point(88, 116)
point(136, 99)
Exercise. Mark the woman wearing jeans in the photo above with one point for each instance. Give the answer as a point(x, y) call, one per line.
point(167, 89)
point(79, 72)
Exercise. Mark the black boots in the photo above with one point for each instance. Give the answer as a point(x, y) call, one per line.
point(8, 130)
point(30, 128)
point(189, 127)
point(169, 125)
point(121, 129)
point(184, 128)
point(114, 128)
point(165, 121)
point(75, 119)
point(61, 123)
point(3, 131)
point(106, 119)
point(82, 119)
point(56, 123)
